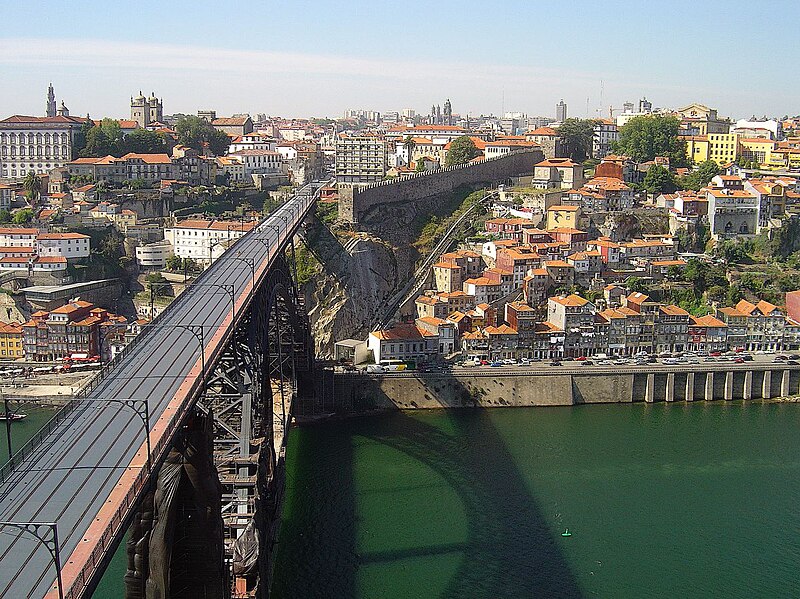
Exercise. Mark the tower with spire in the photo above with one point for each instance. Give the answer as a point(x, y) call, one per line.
point(51, 102)
point(448, 112)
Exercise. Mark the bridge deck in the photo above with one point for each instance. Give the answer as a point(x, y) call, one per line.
point(86, 472)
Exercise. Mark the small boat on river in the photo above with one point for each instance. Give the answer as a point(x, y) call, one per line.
point(12, 416)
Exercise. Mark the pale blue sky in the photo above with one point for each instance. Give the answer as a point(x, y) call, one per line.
point(304, 57)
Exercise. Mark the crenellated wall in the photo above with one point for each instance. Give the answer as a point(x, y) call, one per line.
point(355, 201)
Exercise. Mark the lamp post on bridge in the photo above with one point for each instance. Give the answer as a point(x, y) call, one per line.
point(251, 263)
point(39, 531)
point(142, 409)
point(197, 331)
point(228, 288)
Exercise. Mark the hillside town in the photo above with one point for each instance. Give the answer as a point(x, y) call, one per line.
point(595, 250)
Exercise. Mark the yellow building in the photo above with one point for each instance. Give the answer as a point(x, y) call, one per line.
point(563, 216)
point(697, 148)
point(11, 341)
point(722, 148)
point(756, 149)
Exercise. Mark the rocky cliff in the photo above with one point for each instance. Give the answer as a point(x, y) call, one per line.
point(356, 273)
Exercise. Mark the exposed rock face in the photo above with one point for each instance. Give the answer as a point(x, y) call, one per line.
point(357, 280)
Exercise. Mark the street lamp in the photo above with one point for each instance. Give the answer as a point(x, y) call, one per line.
point(228, 288)
point(197, 331)
point(8, 423)
point(251, 263)
point(153, 297)
point(39, 531)
point(142, 409)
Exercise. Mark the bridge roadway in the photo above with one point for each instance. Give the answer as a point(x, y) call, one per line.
point(85, 473)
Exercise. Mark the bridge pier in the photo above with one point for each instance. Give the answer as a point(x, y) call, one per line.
point(690, 386)
point(709, 390)
point(747, 387)
point(785, 392)
point(766, 385)
point(649, 392)
point(670, 390)
point(728, 393)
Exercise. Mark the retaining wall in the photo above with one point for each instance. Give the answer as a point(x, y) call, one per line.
point(353, 393)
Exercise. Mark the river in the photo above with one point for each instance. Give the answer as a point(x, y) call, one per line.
point(663, 501)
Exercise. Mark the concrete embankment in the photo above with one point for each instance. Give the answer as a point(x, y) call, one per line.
point(356, 393)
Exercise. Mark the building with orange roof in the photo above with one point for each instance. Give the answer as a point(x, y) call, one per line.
point(707, 334)
point(765, 324)
point(204, 240)
point(557, 173)
point(403, 342)
point(77, 327)
point(732, 212)
point(575, 316)
point(448, 276)
point(563, 216)
point(11, 344)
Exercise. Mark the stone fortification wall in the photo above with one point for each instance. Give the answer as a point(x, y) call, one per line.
point(355, 201)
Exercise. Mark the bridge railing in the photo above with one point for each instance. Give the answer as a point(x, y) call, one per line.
point(19, 456)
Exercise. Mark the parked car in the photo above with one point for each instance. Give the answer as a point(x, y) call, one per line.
point(555, 363)
point(496, 364)
point(587, 363)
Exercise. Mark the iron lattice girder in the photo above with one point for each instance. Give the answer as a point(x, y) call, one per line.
point(251, 393)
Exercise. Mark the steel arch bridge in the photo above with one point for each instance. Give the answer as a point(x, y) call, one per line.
point(180, 441)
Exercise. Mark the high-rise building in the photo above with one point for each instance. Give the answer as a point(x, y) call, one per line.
point(561, 111)
point(360, 159)
point(645, 106)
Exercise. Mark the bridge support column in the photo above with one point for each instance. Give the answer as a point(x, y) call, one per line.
point(766, 385)
point(728, 386)
point(785, 383)
point(690, 386)
point(649, 391)
point(747, 388)
point(670, 390)
point(709, 391)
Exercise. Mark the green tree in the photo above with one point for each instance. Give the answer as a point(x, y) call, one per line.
point(635, 285)
point(174, 263)
point(23, 217)
point(158, 285)
point(462, 150)
point(701, 176)
point(734, 295)
point(645, 137)
point(420, 165)
point(32, 185)
point(79, 143)
point(143, 141)
point(5, 217)
point(409, 144)
point(576, 136)
point(97, 144)
point(695, 273)
point(659, 180)
point(197, 133)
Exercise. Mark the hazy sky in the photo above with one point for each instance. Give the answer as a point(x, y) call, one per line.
point(304, 58)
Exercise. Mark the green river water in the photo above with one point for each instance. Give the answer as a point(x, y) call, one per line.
point(663, 501)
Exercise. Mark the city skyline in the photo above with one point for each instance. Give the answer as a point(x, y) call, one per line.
point(335, 60)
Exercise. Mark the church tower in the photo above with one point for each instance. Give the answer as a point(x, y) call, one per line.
point(51, 101)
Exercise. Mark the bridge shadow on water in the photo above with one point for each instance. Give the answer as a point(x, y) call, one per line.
point(510, 551)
